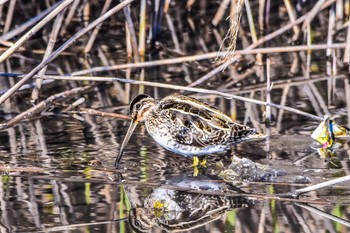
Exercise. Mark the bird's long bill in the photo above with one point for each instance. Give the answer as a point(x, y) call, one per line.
point(126, 140)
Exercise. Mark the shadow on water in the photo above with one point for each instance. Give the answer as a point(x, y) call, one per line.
point(57, 170)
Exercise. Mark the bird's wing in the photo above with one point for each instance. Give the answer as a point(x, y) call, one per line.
point(191, 107)
point(198, 124)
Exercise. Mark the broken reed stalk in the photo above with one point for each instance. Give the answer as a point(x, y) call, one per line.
point(63, 47)
point(184, 59)
point(91, 111)
point(48, 51)
point(232, 33)
point(32, 31)
point(43, 105)
point(259, 42)
point(180, 88)
point(326, 184)
point(131, 29)
point(252, 29)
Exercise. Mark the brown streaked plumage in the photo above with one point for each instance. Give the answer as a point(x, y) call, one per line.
point(185, 125)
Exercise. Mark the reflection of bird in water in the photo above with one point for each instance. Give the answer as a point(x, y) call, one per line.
point(175, 210)
point(185, 126)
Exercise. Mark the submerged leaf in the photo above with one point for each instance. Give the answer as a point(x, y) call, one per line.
point(328, 130)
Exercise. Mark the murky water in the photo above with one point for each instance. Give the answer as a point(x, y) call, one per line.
point(57, 171)
point(71, 184)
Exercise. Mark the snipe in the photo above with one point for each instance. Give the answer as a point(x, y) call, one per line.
point(185, 126)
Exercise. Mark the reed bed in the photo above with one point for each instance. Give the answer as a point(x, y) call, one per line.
point(81, 58)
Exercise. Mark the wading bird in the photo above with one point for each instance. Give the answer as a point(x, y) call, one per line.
point(185, 126)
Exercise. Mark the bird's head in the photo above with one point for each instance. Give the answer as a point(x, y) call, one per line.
point(140, 108)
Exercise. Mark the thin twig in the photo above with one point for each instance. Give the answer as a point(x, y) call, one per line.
point(91, 111)
point(70, 227)
point(183, 59)
point(324, 214)
point(182, 88)
point(321, 185)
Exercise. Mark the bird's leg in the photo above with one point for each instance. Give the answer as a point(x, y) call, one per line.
point(195, 171)
point(195, 161)
point(203, 163)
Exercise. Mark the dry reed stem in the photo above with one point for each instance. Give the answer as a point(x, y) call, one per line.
point(96, 30)
point(9, 16)
point(133, 38)
point(292, 16)
point(74, 227)
point(220, 12)
point(281, 111)
point(49, 49)
point(314, 11)
point(268, 92)
point(69, 17)
point(180, 88)
point(308, 52)
point(142, 29)
point(324, 214)
point(63, 47)
point(32, 31)
point(347, 48)
point(325, 184)
point(7, 169)
point(184, 59)
point(91, 111)
point(252, 29)
point(347, 97)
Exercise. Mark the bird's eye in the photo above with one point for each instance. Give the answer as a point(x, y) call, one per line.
point(138, 106)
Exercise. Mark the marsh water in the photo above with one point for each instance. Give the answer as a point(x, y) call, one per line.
point(57, 169)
